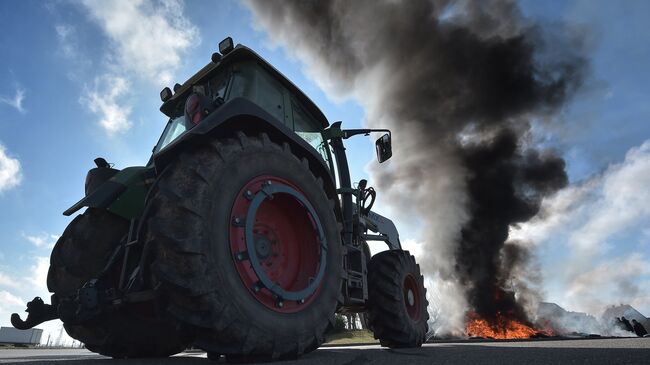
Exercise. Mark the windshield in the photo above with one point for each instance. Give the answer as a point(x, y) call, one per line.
point(175, 127)
point(215, 88)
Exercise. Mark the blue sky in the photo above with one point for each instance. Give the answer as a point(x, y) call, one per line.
point(80, 79)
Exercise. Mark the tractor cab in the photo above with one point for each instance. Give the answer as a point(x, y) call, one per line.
point(238, 72)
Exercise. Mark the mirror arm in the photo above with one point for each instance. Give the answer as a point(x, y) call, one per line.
point(347, 133)
point(335, 131)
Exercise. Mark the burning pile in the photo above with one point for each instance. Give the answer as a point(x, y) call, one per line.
point(507, 323)
point(462, 85)
point(505, 327)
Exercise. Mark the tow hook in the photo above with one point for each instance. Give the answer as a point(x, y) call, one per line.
point(38, 312)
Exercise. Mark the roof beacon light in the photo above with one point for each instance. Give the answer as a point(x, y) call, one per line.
point(216, 57)
point(177, 87)
point(165, 94)
point(225, 46)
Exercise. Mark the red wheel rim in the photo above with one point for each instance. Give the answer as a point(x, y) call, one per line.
point(286, 244)
point(412, 297)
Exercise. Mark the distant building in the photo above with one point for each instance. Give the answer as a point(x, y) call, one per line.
point(12, 336)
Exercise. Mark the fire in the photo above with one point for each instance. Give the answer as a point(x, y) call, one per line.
point(503, 328)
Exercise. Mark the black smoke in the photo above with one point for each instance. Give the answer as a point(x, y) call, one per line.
point(505, 187)
point(461, 83)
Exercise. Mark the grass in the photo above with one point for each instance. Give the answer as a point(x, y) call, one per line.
point(350, 337)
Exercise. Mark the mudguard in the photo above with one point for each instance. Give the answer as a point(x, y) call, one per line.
point(123, 194)
point(240, 114)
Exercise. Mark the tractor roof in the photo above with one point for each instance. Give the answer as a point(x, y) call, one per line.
point(238, 54)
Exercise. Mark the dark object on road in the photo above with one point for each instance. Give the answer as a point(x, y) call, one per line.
point(235, 236)
point(540, 335)
point(638, 328)
point(627, 324)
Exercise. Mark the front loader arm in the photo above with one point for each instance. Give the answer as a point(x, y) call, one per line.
point(385, 228)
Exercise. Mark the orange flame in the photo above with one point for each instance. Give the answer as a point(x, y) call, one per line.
point(504, 328)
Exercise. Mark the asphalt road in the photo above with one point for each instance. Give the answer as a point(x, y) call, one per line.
point(580, 351)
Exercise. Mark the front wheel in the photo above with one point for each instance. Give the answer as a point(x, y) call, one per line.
point(397, 303)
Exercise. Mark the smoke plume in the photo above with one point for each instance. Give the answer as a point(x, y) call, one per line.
point(460, 84)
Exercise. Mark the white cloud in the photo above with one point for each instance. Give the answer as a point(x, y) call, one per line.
point(8, 300)
point(7, 281)
point(104, 100)
point(595, 265)
point(41, 240)
point(148, 37)
point(148, 40)
point(10, 171)
point(66, 35)
point(624, 200)
point(613, 281)
point(38, 276)
point(16, 101)
point(595, 210)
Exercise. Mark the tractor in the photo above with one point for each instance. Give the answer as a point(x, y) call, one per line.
point(242, 235)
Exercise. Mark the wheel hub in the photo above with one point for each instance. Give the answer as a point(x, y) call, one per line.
point(278, 244)
point(412, 297)
point(262, 247)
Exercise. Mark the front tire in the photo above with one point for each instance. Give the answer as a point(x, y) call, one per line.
point(198, 231)
point(397, 302)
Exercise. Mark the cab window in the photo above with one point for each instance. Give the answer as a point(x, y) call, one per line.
point(302, 121)
point(251, 81)
point(308, 129)
point(269, 94)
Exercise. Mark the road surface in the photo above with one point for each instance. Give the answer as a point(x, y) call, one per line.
point(580, 351)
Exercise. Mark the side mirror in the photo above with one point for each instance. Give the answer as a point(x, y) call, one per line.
point(383, 147)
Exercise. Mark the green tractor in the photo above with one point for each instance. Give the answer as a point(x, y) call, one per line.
point(235, 237)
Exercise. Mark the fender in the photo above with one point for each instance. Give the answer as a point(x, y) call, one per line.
point(240, 114)
point(122, 194)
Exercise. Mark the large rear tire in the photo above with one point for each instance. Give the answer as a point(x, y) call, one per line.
point(197, 240)
point(397, 302)
point(79, 255)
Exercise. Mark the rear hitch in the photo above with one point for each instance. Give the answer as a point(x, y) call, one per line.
point(38, 312)
point(90, 302)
